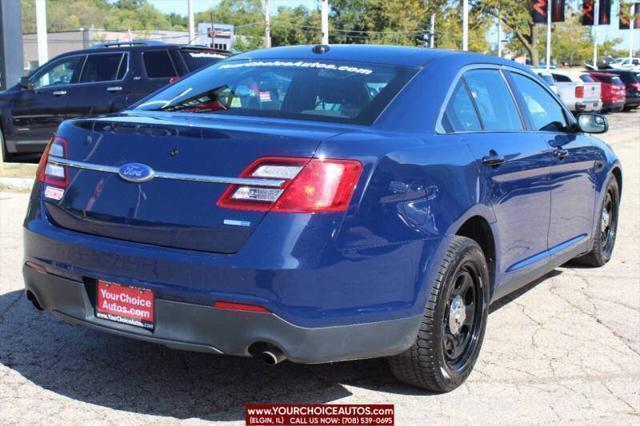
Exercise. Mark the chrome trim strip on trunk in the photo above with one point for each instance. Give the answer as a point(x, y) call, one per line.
point(270, 183)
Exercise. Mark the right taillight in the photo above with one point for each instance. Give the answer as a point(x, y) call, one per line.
point(309, 186)
point(50, 172)
point(580, 92)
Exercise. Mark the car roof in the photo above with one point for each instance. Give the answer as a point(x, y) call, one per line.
point(132, 47)
point(601, 73)
point(386, 55)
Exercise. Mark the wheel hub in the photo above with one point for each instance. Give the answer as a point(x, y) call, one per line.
point(457, 314)
point(605, 221)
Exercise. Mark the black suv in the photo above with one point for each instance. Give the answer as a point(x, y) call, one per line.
point(106, 78)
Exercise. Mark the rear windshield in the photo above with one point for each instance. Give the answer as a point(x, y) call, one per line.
point(297, 89)
point(586, 78)
point(610, 79)
point(628, 77)
point(199, 58)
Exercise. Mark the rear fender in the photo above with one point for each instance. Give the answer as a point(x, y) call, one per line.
point(413, 193)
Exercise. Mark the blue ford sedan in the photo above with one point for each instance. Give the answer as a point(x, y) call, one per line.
point(319, 204)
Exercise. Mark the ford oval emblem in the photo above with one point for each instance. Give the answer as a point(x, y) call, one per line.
point(136, 172)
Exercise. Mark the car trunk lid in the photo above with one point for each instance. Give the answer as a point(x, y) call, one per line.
point(192, 158)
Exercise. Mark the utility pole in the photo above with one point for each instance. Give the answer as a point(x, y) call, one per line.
point(192, 26)
point(499, 37)
point(465, 25)
point(549, 21)
point(41, 29)
point(596, 21)
point(324, 18)
point(267, 25)
point(432, 34)
point(631, 22)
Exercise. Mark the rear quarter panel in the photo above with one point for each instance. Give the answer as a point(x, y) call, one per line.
point(413, 195)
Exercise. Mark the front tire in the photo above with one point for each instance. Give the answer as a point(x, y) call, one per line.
point(455, 318)
point(604, 239)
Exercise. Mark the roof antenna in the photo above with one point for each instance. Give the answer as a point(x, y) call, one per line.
point(320, 48)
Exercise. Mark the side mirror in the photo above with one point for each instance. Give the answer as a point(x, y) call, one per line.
point(593, 123)
point(25, 82)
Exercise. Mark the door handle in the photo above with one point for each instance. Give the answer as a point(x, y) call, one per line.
point(493, 159)
point(560, 154)
point(114, 89)
point(59, 93)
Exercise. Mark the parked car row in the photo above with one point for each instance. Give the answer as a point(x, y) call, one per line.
point(105, 78)
point(606, 90)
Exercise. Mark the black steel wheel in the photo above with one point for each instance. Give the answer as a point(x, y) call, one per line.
point(604, 238)
point(450, 336)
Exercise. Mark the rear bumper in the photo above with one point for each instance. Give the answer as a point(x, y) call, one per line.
point(613, 105)
point(583, 106)
point(202, 328)
point(632, 101)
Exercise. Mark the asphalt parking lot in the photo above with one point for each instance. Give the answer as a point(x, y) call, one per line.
point(566, 348)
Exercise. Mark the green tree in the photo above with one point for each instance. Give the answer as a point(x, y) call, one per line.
point(516, 16)
point(449, 29)
point(295, 26)
point(246, 15)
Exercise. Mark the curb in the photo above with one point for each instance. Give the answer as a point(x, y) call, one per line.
point(16, 184)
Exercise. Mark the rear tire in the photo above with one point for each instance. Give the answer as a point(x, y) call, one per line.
point(604, 239)
point(455, 318)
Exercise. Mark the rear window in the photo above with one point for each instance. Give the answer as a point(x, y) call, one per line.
point(604, 78)
point(617, 81)
point(199, 58)
point(628, 77)
point(297, 89)
point(561, 78)
point(586, 78)
point(157, 64)
point(103, 67)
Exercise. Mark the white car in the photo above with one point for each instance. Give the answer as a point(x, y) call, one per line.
point(631, 64)
point(578, 90)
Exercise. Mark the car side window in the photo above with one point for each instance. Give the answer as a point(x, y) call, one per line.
point(157, 64)
point(545, 112)
point(63, 71)
point(460, 115)
point(494, 102)
point(101, 67)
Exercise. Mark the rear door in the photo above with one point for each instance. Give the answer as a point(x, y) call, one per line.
point(514, 172)
point(155, 69)
point(38, 111)
point(572, 168)
point(101, 86)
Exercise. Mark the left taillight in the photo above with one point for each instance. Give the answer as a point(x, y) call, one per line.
point(308, 186)
point(49, 171)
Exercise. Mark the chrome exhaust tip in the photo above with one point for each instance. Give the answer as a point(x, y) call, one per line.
point(273, 357)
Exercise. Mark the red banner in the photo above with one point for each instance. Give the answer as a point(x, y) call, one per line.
point(589, 11)
point(319, 414)
point(539, 11)
point(625, 17)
